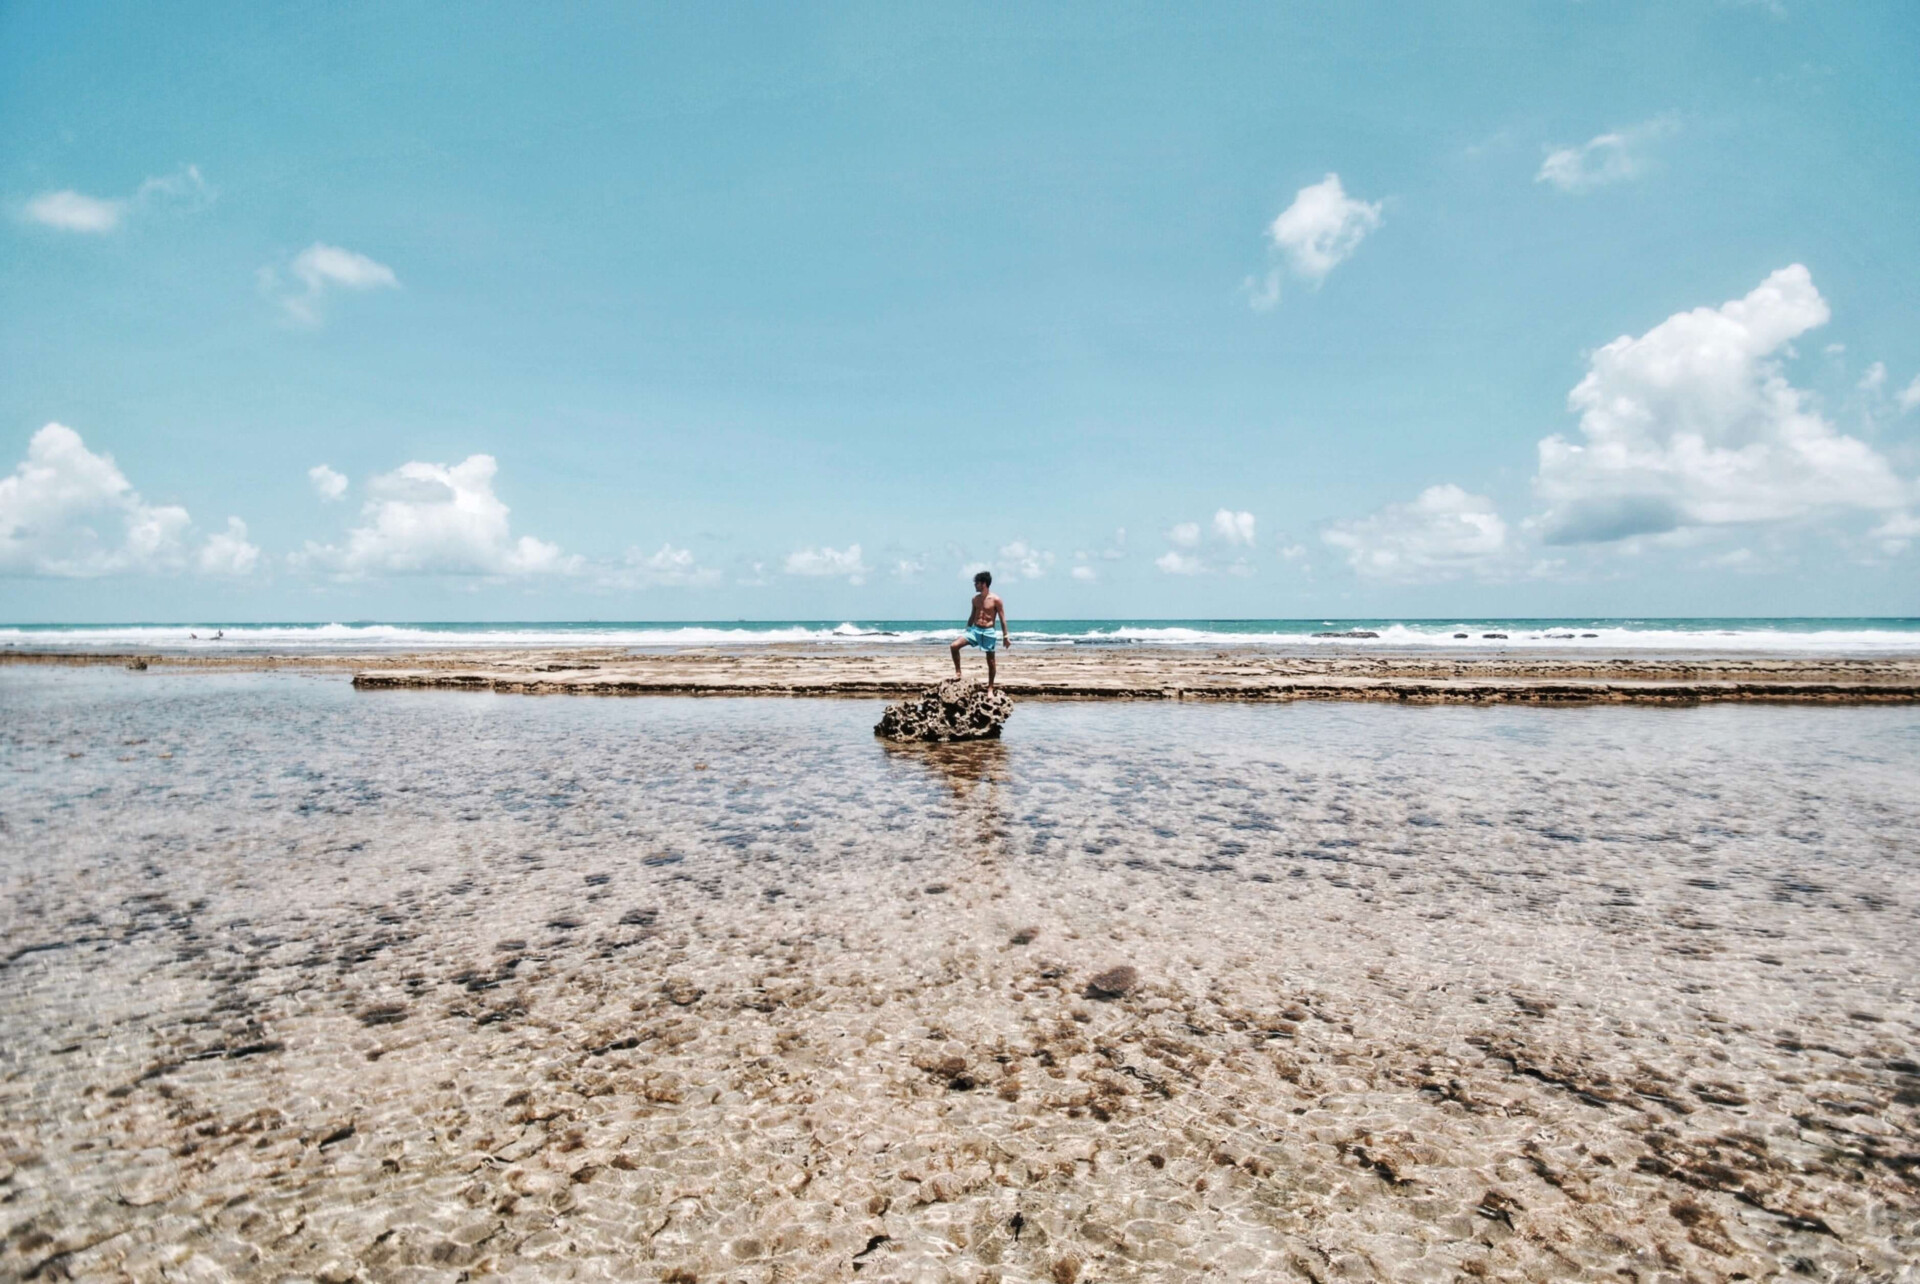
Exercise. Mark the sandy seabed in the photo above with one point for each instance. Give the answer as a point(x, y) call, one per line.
point(301, 982)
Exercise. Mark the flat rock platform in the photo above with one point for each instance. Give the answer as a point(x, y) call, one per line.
point(1097, 673)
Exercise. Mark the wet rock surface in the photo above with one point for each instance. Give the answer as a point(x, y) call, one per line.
point(1494, 674)
point(1415, 994)
point(954, 710)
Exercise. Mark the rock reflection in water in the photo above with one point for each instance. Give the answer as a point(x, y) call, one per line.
point(963, 765)
point(302, 983)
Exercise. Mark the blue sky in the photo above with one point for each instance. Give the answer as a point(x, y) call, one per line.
point(397, 311)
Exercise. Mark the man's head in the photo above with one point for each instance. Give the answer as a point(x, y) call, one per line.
point(983, 580)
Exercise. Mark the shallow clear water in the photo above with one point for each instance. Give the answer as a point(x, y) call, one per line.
point(307, 981)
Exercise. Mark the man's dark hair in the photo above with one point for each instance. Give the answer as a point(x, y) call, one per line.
point(984, 577)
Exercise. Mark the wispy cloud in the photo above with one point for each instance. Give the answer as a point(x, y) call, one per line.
point(1603, 159)
point(1263, 293)
point(1023, 561)
point(1897, 532)
point(1442, 533)
point(67, 210)
point(829, 562)
point(1018, 560)
point(316, 272)
point(669, 567)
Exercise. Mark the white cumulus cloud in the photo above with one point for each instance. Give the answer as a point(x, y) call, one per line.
point(319, 270)
point(1443, 533)
point(1020, 560)
point(1322, 228)
point(1206, 550)
point(1910, 395)
point(1233, 528)
point(824, 561)
point(1085, 574)
point(228, 552)
point(1694, 424)
point(432, 519)
point(327, 484)
point(66, 511)
point(1603, 159)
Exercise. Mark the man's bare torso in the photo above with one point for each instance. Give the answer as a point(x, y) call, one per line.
point(985, 607)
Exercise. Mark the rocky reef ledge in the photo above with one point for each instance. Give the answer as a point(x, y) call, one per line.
point(1095, 673)
point(954, 710)
point(1170, 674)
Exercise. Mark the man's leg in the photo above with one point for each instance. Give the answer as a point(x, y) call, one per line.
point(992, 670)
point(955, 648)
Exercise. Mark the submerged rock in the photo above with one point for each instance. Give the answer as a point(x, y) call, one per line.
point(1113, 982)
point(954, 710)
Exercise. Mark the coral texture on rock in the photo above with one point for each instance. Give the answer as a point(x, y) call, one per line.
point(954, 710)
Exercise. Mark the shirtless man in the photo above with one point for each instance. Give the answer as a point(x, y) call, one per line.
point(987, 609)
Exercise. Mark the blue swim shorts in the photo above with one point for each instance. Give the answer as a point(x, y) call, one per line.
point(985, 639)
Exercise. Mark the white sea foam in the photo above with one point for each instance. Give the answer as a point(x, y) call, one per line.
point(389, 637)
point(1733, 637)
point(1599, 637)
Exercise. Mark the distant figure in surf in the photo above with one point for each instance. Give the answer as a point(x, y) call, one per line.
point(987, 611)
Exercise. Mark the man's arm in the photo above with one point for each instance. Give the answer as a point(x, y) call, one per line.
point(1000, 611)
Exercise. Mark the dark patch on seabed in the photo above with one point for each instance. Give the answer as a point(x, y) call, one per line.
point(429, 986)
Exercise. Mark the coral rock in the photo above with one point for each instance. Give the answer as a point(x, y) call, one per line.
point(954, 710)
